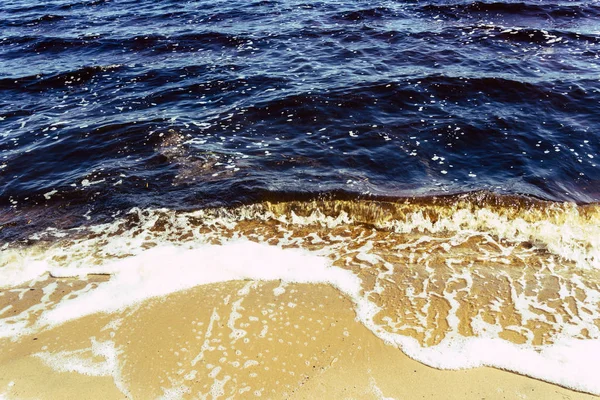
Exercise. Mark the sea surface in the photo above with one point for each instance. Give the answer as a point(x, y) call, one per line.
point(445, 155)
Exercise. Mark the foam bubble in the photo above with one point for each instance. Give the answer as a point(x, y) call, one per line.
point(167, 269)
point(529, 272)
point(77, 361)
point(174, 393)
point(18, 270)
point(569, 362)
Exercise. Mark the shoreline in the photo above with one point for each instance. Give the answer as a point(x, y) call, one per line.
point(243, 339)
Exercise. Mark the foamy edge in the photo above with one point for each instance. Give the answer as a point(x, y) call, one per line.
point(168, 269)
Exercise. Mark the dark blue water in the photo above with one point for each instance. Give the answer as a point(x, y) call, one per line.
point(105, 105)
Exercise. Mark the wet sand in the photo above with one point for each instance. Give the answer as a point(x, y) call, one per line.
point(240, 339)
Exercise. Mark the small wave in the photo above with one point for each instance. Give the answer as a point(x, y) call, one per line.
point(45, 19)
point(186, 42)
point(367, 14)
point(55, 81)
point(542, 36)
point(547, 10)
point(146, 43)
point(83, 4)
point(405, 92)
point(515, 273)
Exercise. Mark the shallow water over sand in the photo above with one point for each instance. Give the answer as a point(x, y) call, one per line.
point(454, 282)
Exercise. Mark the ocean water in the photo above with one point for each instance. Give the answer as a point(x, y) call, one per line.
point(436, 161)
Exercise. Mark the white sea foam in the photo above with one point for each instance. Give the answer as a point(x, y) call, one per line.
point(138, 273)
point(167, 269)
point(163, 270)
point(571, 363)
point(21, 270)
point(81, 362)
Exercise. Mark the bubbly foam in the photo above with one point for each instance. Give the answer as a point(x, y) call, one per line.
point(80, 362)
point(454, 285)
point(167, 269)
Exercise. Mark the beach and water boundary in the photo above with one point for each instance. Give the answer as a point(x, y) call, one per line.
point(423, 278)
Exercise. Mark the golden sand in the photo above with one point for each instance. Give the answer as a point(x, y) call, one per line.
point(237, 339)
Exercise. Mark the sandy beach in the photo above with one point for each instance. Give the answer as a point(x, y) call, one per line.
point(239, 339)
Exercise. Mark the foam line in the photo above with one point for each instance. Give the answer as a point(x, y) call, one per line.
point(168, 269)
point(163, 270)
point(543, 244)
